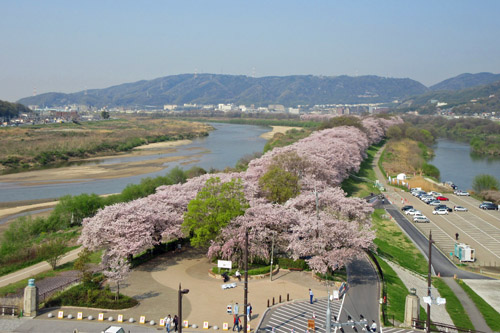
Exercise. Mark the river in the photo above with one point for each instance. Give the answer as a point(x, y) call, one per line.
point(222, 148)
point(457, 164)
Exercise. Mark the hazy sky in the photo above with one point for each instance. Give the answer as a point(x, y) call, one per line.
point(67, 46)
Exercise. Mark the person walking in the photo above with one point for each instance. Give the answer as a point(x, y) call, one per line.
point(374, 326)
point(176, 323)
point(168, 323)
point(311, 296)
point(238, 275)
point(249, 311)
point(236, 309)
point(456, 236)
point(236, 322)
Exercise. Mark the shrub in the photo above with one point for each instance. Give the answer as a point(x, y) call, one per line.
point(485, 182)
point(288, 263)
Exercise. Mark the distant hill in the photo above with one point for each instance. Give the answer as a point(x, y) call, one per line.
point(466, 80)
point(456, 97)
point(11, 110)
point(238, 89)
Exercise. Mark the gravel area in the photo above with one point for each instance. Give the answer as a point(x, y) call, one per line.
point(411, 280)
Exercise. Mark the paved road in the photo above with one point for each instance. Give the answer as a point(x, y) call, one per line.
point(36, 269)
point(361, 298)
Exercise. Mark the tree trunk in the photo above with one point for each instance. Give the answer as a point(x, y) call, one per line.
point(117, 291)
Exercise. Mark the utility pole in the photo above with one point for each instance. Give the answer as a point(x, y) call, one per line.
point(328, 321)
point(272, 253)
point(428, 323)
point(179, 306)
point(245, 297)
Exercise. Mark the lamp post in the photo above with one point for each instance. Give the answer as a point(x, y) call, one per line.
point(245, 292)
point(179, 308)
point(428, 323)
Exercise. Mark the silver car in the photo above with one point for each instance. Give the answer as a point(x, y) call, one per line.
point(422, 219)
point(460, 209)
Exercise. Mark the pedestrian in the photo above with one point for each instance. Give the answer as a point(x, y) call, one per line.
point(249, 311)
point(236, 308)
point(311, 296)
point(176, 322)
point(168, 323)
point(456, 236)
point(236, 322)
point(374, 326)
point(238, 274)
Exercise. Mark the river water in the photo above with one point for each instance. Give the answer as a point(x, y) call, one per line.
point(457, 164)
point(222, 148)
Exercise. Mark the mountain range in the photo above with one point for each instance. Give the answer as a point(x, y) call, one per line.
point(238, 89)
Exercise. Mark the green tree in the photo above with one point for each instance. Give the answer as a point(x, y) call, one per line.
point(53, 250)
point(485, 182)
point(215, 205)
point(279, 185)
point(82, 264)
point(177, 175)
point(105, 115)
point(71, 210)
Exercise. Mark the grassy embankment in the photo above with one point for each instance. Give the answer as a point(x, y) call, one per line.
point(490, 315)
point(37, 146)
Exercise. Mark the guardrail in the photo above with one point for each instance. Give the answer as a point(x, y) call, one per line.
point(441, 327)
point(43, 296)
point(9, 310)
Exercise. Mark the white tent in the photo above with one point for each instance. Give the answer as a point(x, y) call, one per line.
point(401, 176)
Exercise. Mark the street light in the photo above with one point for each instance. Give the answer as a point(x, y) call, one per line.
point(179, 309)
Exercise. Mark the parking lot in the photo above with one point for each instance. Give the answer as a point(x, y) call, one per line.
point(478, 228)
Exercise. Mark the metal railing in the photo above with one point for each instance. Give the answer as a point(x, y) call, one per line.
point(9, 310)
point(441, 327)
point(43, 296)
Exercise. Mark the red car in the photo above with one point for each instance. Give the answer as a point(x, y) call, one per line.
point(442, 198)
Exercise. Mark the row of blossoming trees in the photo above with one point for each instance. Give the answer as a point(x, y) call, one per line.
point(319, 222)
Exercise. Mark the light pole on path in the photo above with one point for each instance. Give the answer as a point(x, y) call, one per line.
point(179, 306)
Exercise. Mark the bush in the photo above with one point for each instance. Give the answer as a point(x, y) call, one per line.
point(91, 295)
point(288, 263)
point(485, 182)
point(430, 170)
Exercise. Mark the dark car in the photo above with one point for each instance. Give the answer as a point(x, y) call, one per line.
point(488, 206)
point(444, 207)
point(405, 208)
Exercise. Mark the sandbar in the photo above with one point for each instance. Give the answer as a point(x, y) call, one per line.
point(277, 129)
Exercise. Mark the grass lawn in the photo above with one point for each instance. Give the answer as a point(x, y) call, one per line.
point(490, 315)
point(453, 305)
point(362, 183)
point(393, 244)
point(396, 293)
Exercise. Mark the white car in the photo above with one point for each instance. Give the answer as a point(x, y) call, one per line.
point(418, 215)
point(423, 219)
point(440, 212)
point(413, 212)
point(434, 194)
point(434, 203)
point(460, 209)
point(463, 193)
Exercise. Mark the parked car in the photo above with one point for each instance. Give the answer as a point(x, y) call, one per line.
point(441, 198)
point(423, 219)
point(443, 207)
point(488, 206)
point(460, 209)
point(434, 203)
point(405, 208)
point(413, 212)
point(462, 193)
point(427, 198)
point(417, 215)
point(434, 194)
point(440, 212)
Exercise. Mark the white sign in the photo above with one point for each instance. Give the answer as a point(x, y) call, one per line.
point(225, 264)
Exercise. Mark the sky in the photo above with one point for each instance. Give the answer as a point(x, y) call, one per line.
point(68, 46)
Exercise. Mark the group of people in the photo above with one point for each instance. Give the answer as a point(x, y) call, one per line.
point(171, 322)
point(237, 318)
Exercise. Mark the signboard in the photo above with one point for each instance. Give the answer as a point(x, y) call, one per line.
point(229, 309)
point(248, 327)
point(310, 324)
point(335, 294)
point(79, 316)
point(185, 323)
point(225, 326)
point(120, 318)
point(162, 322)
point(205, 325)
point(100, 317)
point(60, 315)
point(225, 264)
point(142, 319)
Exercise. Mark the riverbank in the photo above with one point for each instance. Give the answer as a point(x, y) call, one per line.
point(277, 129)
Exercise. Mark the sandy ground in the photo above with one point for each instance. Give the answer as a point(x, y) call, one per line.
point(277, 129)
